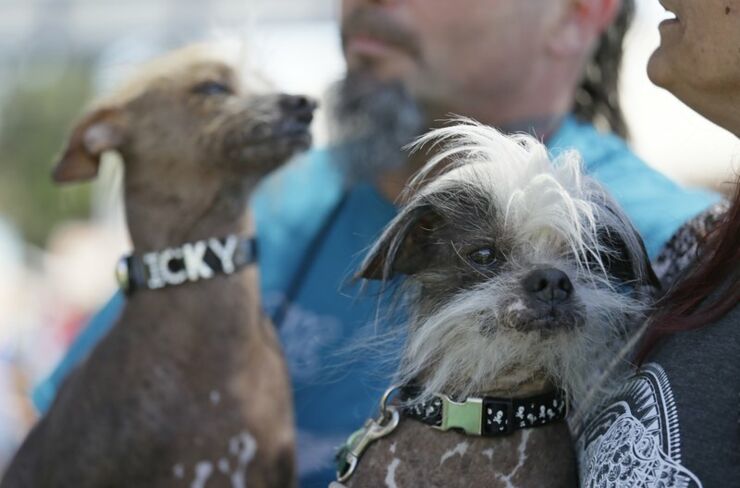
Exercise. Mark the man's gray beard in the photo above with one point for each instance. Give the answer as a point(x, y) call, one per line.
point(370, 122)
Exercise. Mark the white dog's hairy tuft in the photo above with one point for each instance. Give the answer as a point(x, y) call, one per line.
point(544, 201)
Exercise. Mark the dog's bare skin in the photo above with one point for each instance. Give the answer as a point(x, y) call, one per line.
point(517, 273)
point(190, 387)
point(416, 452)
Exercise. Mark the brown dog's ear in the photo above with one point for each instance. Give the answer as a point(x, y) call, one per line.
point(97, 132)
point(404, 247)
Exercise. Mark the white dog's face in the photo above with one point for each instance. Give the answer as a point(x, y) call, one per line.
point(518, 266)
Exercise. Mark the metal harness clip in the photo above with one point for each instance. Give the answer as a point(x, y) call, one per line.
point(349, 455)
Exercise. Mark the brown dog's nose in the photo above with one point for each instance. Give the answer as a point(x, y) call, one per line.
point(298, 105)
point(549, 285)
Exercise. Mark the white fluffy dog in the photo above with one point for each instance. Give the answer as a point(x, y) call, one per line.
point(522, 276)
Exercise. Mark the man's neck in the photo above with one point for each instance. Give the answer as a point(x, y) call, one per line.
point(393, 182)
point(541, 128)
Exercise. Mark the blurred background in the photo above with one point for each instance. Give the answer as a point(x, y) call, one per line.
point(58, 246)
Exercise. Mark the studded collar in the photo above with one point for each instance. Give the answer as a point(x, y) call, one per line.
point(190, 262)
point(485, 416)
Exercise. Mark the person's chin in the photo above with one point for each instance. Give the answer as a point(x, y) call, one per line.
point(659, 68)
point(662, 66)
point(382, 75)
point(381, 69)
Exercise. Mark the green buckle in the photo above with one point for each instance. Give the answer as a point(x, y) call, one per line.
point(467, 415)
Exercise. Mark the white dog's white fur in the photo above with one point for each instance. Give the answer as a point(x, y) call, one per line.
point(549, 213)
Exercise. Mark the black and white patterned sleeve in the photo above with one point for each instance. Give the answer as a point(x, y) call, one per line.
point(682, 249)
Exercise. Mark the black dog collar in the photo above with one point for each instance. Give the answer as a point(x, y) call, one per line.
point(486, 416)
point(193, 261)
point(482, 416)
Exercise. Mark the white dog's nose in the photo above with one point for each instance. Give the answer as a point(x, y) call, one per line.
point(549, 285)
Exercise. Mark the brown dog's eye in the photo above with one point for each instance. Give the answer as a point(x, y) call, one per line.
point(484, 256)
point(212, 88)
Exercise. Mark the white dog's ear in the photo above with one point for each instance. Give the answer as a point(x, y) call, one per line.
point(649, 278)
point(97, 132)
point(629, 260)
point(404, 247)
point(631, 265)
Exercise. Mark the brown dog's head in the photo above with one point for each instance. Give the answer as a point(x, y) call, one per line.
point(190, 127)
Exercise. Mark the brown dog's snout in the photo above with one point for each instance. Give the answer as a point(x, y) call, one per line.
point(300, 106)
point(548, 285)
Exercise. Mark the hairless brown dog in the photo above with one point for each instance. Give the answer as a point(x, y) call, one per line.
point(190, 387)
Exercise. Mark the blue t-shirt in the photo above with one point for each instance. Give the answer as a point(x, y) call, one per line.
point(336, 383)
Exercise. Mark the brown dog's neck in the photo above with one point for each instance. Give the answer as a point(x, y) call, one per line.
point(170, 213)
point(232, 302)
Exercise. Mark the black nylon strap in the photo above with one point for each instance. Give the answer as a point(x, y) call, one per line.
point(190, 262)
point(499, 416)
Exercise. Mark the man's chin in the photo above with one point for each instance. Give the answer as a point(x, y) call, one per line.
point(392, 68)
point(373, 119)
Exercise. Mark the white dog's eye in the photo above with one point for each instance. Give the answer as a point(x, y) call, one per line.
point(484, 256)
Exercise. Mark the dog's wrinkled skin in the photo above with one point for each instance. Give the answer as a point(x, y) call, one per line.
point(522, 275)
point(190, 387)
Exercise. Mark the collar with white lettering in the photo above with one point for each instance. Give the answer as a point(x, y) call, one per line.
point(190, 262)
